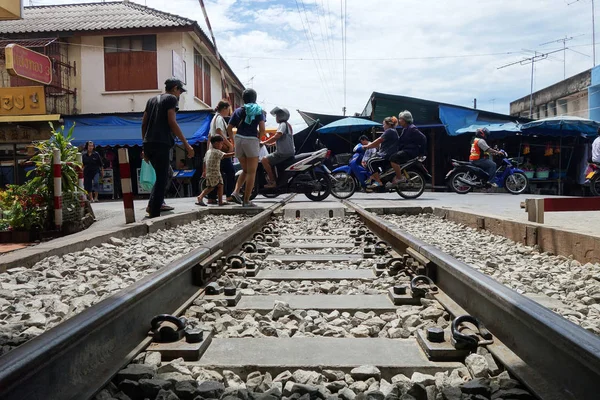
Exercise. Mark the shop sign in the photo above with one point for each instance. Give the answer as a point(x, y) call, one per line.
point(21, 134)
point(178, 67)
point(11, 10)
point(28, 64)
point(23, 100)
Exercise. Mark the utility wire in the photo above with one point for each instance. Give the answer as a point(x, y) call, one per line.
point(313, 56)
point(312, 37)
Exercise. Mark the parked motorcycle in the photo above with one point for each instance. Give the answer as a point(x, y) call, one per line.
point(347, 179)
point(593, 177)
point(303, 173)
point(465, 176)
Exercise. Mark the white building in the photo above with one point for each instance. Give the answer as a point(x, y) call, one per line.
point(111, 57)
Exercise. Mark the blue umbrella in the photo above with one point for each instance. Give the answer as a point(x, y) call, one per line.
point(561, 126)
point(348, 125)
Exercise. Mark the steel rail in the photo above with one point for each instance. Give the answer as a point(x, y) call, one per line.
point(75, 359)
point(565, 354)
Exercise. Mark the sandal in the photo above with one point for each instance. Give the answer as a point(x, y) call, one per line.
point(200, 203)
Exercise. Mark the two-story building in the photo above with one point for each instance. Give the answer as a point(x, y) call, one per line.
point(108, 59)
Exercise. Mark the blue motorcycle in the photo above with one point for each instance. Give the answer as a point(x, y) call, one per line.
point(347, 179)
point(465, 176)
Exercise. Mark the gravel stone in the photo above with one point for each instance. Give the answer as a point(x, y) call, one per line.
point(135, 372)
point(477, 386)
point(333, 375)
point(153, 358)
point(233, 381)
point(57, 288)
point(346, 394)
point(422, 379)
point(166, 395)
point(477, 365)
point(365, 372)
point(151, 387)
point(519, 267)
point(211, 389)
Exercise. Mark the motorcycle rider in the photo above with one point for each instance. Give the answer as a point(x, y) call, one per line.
point(596, 149)
point(379, 162)
point(478, 149)
point(364, 140)
point(285, 144)
point(411, 144)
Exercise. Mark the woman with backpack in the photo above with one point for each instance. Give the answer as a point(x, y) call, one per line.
point(250, 123)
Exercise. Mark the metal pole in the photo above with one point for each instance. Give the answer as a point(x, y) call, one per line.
point(225, 91)
point(126, 186)
point(531, 95)
point(57, 174)
point(593, 35)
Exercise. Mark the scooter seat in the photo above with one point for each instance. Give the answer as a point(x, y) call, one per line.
point(302, 156)
point(462, 162)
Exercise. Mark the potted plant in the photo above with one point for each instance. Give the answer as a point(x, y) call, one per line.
point(25, 211)
point(528, 169)
point(5, 233)
point(542, 172)
point(43, 180)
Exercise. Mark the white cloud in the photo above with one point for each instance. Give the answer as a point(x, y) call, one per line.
point(423, 37)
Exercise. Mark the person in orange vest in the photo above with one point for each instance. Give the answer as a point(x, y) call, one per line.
point(478, 156)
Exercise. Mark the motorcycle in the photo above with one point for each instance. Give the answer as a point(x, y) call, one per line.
point(303, 173)
point(465, 176)
point(593, 178)
point(347, 179)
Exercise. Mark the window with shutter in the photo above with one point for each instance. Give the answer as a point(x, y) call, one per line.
point(130, 63)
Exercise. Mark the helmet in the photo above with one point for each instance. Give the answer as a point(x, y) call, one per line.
point(249, 96)
point(482, 132)
point(282, 114)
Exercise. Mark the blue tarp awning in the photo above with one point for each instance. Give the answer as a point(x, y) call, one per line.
point(496, 130)
point(126, 130)
point(457, 119)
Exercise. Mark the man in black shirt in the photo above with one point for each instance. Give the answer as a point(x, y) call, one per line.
point(159, 128)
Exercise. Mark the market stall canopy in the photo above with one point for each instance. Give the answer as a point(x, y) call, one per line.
point(348, 125)
point(561, 126)
point(126, 129)
point(496, 130)
point(457, 118)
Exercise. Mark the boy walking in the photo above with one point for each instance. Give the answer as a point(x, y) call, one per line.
point(212, 164)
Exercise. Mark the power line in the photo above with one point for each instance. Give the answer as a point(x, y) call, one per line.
point(313, 54)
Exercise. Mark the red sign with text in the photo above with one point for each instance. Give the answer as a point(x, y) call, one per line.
point(28, 64)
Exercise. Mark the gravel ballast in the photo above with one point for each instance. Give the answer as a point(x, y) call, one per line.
point(519, 267)
point(35, 299)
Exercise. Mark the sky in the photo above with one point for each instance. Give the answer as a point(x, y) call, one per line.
point(291, 51)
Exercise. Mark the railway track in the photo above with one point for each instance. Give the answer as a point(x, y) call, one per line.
point(330, 307)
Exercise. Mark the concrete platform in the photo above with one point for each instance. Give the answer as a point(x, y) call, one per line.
point(290, 258)
point(391, 356)
point(377, 303)
point(316, 246)
point(316, 275)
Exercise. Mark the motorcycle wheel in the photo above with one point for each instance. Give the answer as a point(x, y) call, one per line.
point(456, 185)
point(516, 183)
point(343, 186)
point(270, 195)
point(595, 185)
point(322, 194)
point(252, 195)
point(413, 188)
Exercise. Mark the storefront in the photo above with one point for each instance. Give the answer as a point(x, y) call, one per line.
point(23, 121)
